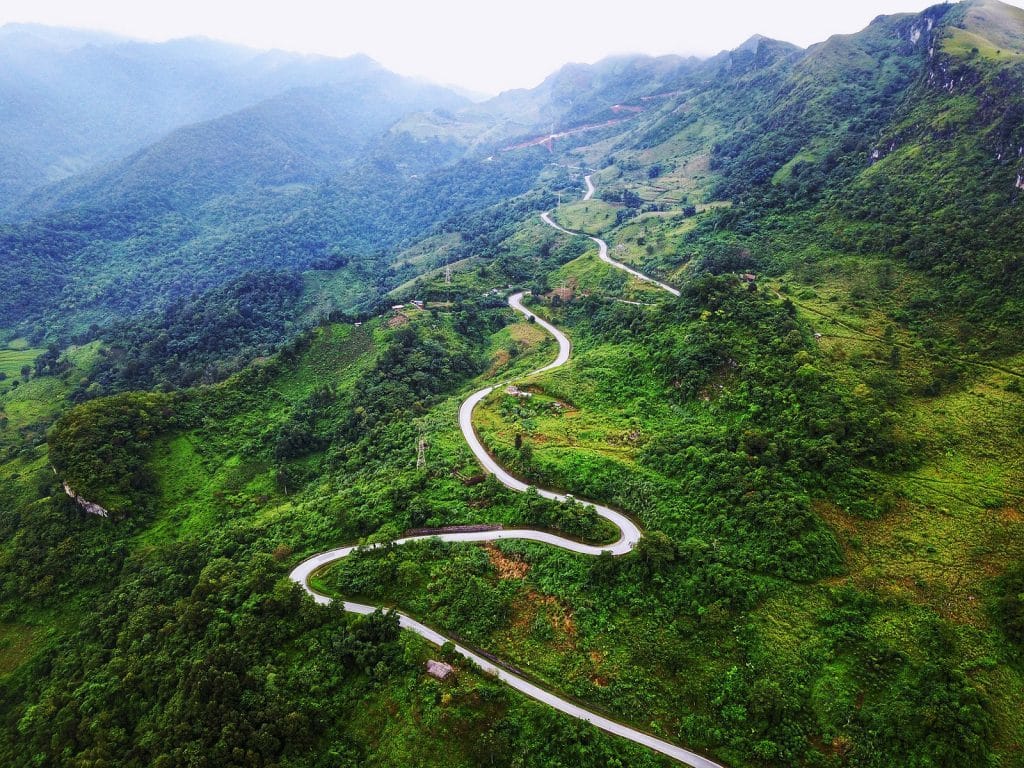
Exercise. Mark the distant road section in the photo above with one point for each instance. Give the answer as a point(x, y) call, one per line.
point(590, 187)
point(602, 254)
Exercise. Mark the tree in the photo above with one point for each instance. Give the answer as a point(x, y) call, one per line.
point(1010, 607)
point(894, 357)
point(603, 569)
point(525, 453)
point(656, 552)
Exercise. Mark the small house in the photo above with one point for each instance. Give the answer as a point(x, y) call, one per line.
point(439, 669)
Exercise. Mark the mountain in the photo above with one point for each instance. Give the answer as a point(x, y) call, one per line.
point(907, 136)
point(302, 136)
point(251, 339)
point(764, 119)
point(575, 96)
point(914, 119)
point(74, 99)
point(311, 177)
point(303, 180)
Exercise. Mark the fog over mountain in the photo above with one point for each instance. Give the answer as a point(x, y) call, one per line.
point(72, 100)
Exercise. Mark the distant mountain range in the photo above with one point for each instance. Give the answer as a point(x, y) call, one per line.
point(74, 99)
point(198, 162)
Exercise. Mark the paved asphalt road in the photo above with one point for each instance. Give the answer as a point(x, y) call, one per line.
point(603, 247)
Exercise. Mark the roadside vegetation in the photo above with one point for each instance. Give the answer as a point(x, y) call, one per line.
point(820, 439)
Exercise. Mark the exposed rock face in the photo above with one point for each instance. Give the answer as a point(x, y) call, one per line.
point(87, 506)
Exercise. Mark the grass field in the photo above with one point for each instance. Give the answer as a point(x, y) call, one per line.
point(33, 403)
point(15, 645)
point(964, 44)
point(590, 216)
point(12, 361)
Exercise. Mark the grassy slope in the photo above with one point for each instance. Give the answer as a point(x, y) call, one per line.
point(35, 402)
point(215, 477)
point(205, 482)
point(556, 624)
point(11, 360)
point(953, 524)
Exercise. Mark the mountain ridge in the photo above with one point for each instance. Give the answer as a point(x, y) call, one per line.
point(84, 104)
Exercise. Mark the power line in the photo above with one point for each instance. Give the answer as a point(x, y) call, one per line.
point(421, 453)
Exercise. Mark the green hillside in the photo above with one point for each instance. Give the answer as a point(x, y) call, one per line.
point(819, 436)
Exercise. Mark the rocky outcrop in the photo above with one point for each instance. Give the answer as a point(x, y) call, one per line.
point(87, 506)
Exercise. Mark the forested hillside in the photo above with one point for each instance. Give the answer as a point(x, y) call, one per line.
point(249, 343)
point(172, 223)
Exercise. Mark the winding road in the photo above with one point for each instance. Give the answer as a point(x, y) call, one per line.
point(629, 535)
point(602, 246)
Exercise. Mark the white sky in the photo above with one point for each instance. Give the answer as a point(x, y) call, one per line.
point(476, 44)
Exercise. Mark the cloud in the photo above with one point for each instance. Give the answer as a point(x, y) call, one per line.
point(479, 45)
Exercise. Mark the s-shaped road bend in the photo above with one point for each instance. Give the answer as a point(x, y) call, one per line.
point(629, 535)
point(602, 246)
